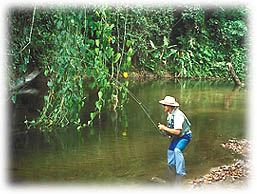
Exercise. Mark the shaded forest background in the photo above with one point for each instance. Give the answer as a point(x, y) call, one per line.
point(84, 48)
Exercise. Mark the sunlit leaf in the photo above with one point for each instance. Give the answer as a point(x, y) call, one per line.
point(117, 57)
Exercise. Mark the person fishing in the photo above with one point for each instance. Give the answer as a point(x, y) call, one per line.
point(178, 129)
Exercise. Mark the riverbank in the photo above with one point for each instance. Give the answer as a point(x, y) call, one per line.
point(234, 175)
point(142, 75)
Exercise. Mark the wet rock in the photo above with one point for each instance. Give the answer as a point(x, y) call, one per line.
point(157, 180)
point(232, 172)
point(238, 146)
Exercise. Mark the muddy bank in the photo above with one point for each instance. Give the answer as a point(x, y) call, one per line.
point(139, 75)
point(235, 174)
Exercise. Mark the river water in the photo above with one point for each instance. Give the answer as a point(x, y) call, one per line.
point(124, 147)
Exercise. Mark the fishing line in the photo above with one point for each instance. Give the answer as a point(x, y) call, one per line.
point(138, 102)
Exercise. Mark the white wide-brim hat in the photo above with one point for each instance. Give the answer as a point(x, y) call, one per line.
point(169, 101)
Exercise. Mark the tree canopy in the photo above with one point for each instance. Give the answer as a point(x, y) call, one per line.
point(69, 44)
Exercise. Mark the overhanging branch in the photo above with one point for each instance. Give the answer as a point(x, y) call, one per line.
point(31, 30)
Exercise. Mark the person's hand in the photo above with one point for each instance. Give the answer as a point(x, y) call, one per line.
point(161, 127)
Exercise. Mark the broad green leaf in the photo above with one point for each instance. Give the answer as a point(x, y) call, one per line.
point(50, 83)
point(98, 33)
point(98, 106)
point(14, 99)
point(130, 51)
point(112, 26)
point(79, 127)
point(166, 41)
point(110, 52)
point(97, 42)
point(46, 72)
point(59, 24)
point(24, 66)
point(171, 52)
point(100, 94)
point(117, 57)
point(128, 43)
point(129, 59)
point(97, 51)
point(152, 44)
point(92, 115)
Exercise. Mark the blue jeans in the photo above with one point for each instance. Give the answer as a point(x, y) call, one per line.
point(175, 155)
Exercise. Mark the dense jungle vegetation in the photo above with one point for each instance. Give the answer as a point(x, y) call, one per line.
point(88, 47)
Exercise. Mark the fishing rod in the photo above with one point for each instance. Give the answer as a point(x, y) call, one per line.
point(138, 102)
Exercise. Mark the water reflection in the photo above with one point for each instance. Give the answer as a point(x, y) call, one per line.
point(124, 146)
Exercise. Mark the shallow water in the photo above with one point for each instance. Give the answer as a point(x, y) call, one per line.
point(124, 147)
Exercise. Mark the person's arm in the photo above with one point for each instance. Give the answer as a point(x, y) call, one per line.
point(169, 130)
point(178, 121)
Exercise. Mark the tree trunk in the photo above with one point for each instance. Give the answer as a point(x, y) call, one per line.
point(234, 76)
point(23, 81)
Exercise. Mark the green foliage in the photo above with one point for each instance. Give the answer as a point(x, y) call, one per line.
point(228, 29)
point(80, 46)
point(150, 30)
point(20, 50)
point(96, 44)
point(209, 40)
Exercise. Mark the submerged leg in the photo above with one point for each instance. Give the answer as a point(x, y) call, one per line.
point(171, 174)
